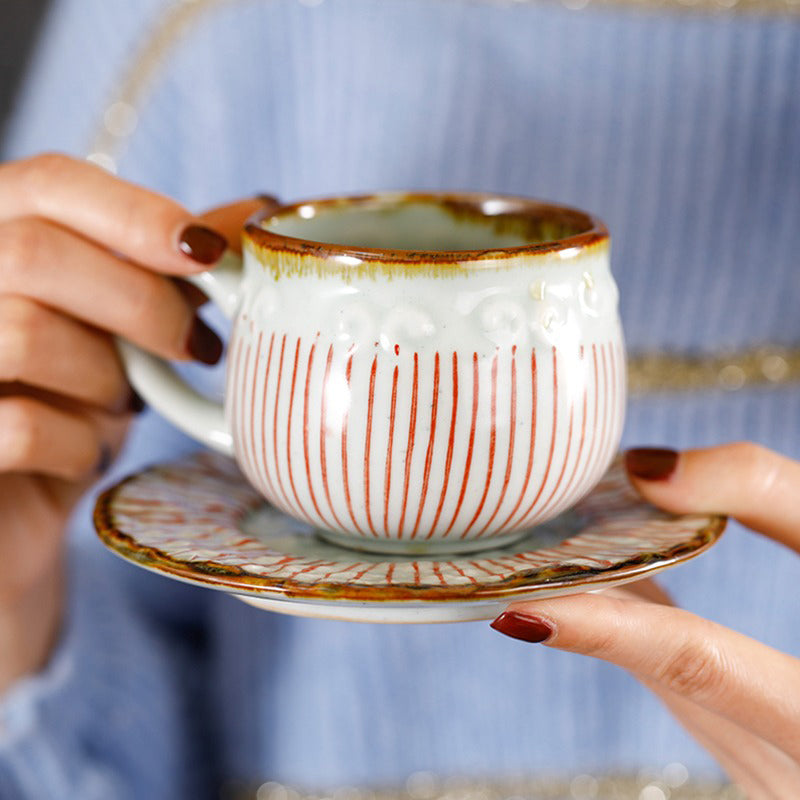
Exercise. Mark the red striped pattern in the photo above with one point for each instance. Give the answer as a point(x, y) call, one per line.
point(368, 445)
point(448, 462)
point(323, 454)
point(412, 429)
point(389, 444)
point(387, 480)
point(345, 449)
point(431, 440)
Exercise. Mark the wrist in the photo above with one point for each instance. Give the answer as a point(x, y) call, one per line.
point(29, 627)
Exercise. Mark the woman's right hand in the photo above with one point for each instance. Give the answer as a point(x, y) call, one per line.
point(83, 256)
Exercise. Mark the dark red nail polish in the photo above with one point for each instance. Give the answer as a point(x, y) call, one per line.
point(196, 297)
point(136, 404)
point(202, 244)
point(268, 200)
point(526, 627)
point(651, 463)
point(203, 344)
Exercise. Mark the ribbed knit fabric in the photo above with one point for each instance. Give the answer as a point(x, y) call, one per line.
point(681, 131)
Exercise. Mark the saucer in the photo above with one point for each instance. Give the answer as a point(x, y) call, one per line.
point(198, 520)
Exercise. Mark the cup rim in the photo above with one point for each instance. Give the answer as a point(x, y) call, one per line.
point(592, 231)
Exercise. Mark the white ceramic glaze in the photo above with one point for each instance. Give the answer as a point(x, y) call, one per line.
point(440, 397)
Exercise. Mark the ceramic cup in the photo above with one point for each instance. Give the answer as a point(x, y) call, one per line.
point(413, 373)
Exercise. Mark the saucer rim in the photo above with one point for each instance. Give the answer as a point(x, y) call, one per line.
point(408, 613)
point(396, 613)
point(524, 582)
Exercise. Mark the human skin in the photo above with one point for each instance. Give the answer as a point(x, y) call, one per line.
point(738, 697)
point(84, 256)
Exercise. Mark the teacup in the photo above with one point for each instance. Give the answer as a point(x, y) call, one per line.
point(413, 373)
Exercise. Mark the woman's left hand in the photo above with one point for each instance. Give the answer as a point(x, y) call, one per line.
point(738, 697)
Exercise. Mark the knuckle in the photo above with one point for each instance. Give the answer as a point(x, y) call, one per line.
point(19, 328)
point(749, 453)
point(148, 297)
point(18, 432)
point(696, 670)
point(21, 244)
point(760, 466)
point(23, 447)
point(603, 641)
point(37, 174)
point(85, 462)
point(141, 216)
point(600, 644)
point(111, 388)
point(133, 219)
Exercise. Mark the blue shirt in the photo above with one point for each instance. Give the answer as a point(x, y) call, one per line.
point(681, 131)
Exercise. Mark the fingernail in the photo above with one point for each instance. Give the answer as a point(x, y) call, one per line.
point(195, 296)
point(268, 200)
point(202, 244)
point(526, 627)
point(651, 463)
point(203, 344)
point(136, 405)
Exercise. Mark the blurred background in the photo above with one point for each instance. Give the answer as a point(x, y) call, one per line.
point(19, 21)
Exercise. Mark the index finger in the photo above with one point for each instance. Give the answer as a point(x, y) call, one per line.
point(748, 682)
point(140, 224)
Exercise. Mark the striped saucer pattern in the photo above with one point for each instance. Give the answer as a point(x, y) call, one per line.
point(198, 519)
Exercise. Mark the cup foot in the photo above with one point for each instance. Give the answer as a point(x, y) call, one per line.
point(419, 547)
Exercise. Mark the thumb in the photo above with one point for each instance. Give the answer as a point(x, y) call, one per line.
point(755, 485)
point(229, 219)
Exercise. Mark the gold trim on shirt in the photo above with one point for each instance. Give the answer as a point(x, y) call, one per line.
point(670, 783)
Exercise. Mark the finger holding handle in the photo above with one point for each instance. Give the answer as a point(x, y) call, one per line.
point(155, 379)
point(142, 225)
point(83, 255)
point(61, 270)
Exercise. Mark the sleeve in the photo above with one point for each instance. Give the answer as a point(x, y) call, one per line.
point(114, 713)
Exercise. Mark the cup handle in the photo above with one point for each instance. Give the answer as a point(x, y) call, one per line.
point(163, 389)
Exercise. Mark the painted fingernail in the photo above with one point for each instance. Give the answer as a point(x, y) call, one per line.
point(136, 404)
point(526, 627)
point(196, 297)
point(201, 244)
point(268, 200)
point(651, 463)
point(203, 344)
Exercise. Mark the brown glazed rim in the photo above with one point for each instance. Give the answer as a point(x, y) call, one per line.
point(216, 575)
point(592, 231)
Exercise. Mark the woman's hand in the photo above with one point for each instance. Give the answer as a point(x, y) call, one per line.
point(738, 697)
point(83, 255)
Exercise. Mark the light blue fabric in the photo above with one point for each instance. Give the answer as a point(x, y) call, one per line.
point(681, 131)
